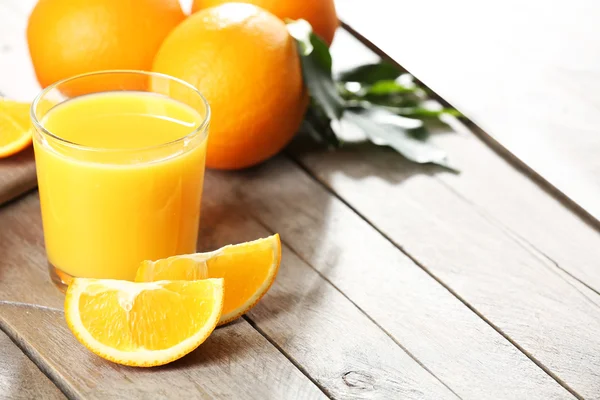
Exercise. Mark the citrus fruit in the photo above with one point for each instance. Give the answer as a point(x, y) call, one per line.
point(70, 37)
point(245, 63)
point(15, 132)
point(320, 13)
point(143, 324)
point(248, 270)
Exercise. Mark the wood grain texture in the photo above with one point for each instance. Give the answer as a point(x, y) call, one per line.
point(235, 362)
point(20, 379)
point(336, 362)
point(422, 316)
point(233, 366)
point(311, 321)
point(17, 81)
point(23, 267)
point(527, 73)
point(517, 290)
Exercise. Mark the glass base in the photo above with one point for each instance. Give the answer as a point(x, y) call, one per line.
point(60, 279)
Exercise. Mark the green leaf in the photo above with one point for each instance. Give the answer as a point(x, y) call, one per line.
point(384, 93)
point(316, 68)
point(318, 126)
point(326, 102)
point(301, 31)
point(424, 112)
point(389, 87)
point(400, 100)
point(321, 53)
point(383, 128)
point(371, 73)
point(390, 111)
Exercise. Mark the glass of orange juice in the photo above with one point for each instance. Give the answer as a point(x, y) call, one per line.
point(120, 159)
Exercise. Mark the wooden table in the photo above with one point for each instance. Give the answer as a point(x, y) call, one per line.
point(398, 281)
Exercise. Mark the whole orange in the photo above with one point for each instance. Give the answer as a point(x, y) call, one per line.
point(320, 13)
point(244, 61)
point(70, 37)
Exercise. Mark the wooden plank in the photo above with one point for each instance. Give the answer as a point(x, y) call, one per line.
point(514, 200)
point(318, 348)
point(518, 291)
point(17, 81)
point(529, 78)
point(232, 363)
point(429, 322)
point(20, 379)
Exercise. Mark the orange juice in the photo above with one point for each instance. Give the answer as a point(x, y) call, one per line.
point(120, 179)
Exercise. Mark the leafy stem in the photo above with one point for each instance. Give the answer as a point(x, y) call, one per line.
point(381, 100)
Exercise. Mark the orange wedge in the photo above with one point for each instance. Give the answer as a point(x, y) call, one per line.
point(143, 324)
point(248, 270)
point(15, 133)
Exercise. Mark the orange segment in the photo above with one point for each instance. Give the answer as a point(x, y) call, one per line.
point(248, 270)
point(143, 324)
point(15, 134)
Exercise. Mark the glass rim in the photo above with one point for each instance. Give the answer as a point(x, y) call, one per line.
point(38, 125)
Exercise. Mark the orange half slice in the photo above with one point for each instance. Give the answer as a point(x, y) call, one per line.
point(143, 324)
point(15, 132)
point(248, 270)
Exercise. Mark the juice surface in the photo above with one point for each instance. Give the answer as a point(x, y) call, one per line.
point(121, 197)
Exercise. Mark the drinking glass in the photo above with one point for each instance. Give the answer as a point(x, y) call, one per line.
point(120, 171)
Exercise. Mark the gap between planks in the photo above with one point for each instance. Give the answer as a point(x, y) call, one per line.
point(521, 241)
point(287, 355)
point(22, 378)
